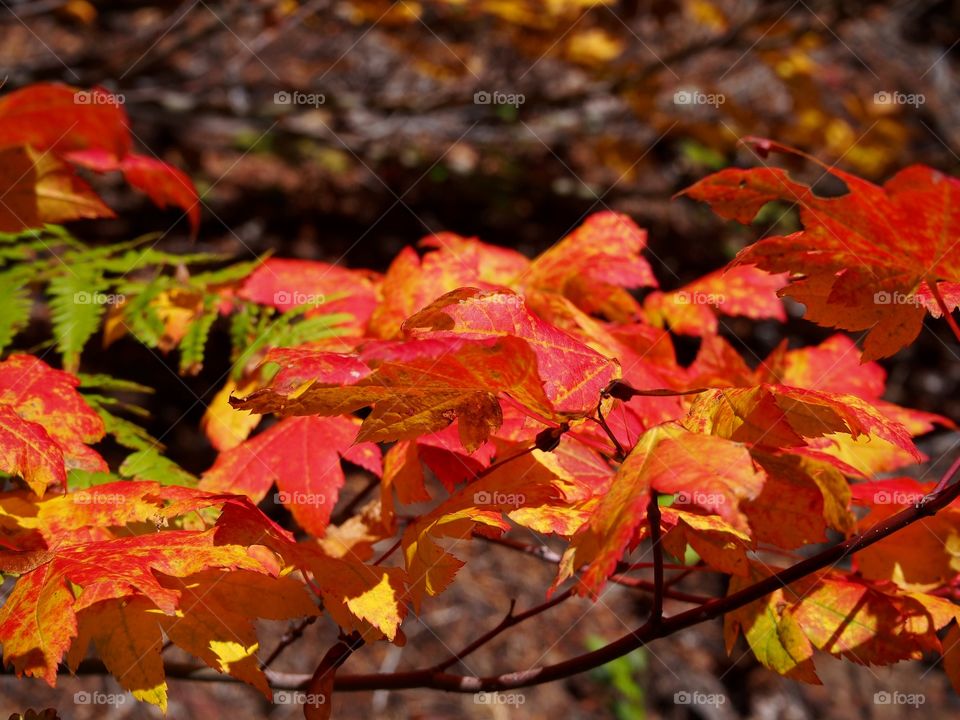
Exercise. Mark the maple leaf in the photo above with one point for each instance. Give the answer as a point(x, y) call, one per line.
point(302, 456)
point(925, 553)
point(214, 622)
point(951, 655)
point(719, 544)
point(225, 427)
point(40, 189)
point(645, 354)
point(738, 291)
point(581, 478)
point(28, 451)
point(286, 284)
point(91, 130)
point(45, 424)
point(115, 585)
point(594, 264)
point(411, 283)
point(360, 597)
point(801, 498)
point(48, 116)
point(573, 374)
point(775, 637)
point(865, 622)
point(38, 619)
point(860, 257)
point(779, 416)
point(703, 470)
point(414, 387)
point(832, 366)
point(164, 184)
point(517, 483)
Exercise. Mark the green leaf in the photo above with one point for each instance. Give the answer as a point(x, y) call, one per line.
point(15, 305)
point(78, 479)
point(195, 341)
point(151, 465)
point(139, 314)
point(77, 302)
point(108, 382)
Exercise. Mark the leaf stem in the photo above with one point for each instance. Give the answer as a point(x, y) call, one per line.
point(947, 315)
point(653, 521)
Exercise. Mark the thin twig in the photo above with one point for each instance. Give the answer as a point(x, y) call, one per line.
point(289, 637)
point(509, 621)
point(653, 521)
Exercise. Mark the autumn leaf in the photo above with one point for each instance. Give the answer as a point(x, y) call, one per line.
point(105, 570)
point(778, 416)
point(87, 128)
point(48, 116)
point(357, 596)
point(28, 451)
point(719, 544)
point(925, 553)
point(39, 189)
point(595, 265)
point(214, 620)
point(573, 374)
point(737, 291)
point(774, 636)
point(302, 456)
point(45, 424)
point(860, 257)
point(709, 472)
point(225, 427)
point(164, 185)
point(116, 584)
point(526, 480)
point(128, 638)
point(286, 284)
point(413, 387)
point(867, 623)
point(412, 282)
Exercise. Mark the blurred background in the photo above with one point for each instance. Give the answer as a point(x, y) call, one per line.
point(343, 130)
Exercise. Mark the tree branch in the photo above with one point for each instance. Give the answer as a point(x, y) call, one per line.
point(646, 633)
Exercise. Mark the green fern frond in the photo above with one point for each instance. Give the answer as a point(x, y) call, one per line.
point(195, 341)
point(15, 305)
point(109, 382)
point(139, 315)
point(77, 302)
